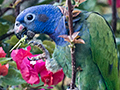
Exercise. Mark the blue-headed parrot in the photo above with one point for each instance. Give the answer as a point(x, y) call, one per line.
point(97, 57)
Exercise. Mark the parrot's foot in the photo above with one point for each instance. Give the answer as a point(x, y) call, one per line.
point(44, 55)
point(51, 64)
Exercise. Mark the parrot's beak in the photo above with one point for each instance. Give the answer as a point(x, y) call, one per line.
point(21, 30)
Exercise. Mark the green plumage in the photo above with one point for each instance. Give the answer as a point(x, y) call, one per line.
point(97, 57)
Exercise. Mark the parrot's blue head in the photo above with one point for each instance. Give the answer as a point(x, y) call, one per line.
point(46, 19)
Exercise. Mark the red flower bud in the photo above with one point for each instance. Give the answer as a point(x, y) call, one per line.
point(2, 53)
point(4, 69)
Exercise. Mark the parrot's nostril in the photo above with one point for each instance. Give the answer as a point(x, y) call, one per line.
point(17, 24)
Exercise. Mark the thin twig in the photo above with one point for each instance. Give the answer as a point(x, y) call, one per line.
point(17, 10)
point(70, 17)
point(2, 11)
point(72, 49)
point(6, 35)
point(114, 15)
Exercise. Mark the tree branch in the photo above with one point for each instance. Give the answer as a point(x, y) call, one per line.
point(114, 15)
point(17, 10)
point(72, 49)
point(70, 17)
point(2, 11)
point(6, 35)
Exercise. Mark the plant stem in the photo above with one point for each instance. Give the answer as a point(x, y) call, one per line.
point(2, 11)
point(114, 14)
point(6, 35)
point(70, 17)
point(72, 49)
point(17, 10)
point(72, 86)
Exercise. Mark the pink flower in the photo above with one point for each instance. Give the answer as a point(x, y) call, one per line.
point(40, 67)
point(58, 76)
point(50, 87)
point(117, 3)
point(48, 79)
point(19, 54)
point(30, 71)
point(2, 53)
point(4, 69)
point(53, 78)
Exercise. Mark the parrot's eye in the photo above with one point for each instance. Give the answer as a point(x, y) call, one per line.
point(29, 17)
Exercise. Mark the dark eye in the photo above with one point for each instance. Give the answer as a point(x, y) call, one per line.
point(29, 17)
point(17, 24)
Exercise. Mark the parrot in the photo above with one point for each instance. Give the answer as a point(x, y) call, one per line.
point(97, 57)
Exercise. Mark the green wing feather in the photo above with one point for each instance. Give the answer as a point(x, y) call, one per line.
point(97, 58)
point(104, 50)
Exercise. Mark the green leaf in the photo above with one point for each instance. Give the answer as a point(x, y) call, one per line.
point(49, 45)
point(13, 77)
point(13, 40)
point(1, 1)
point(35, 50)
point(5, 21)
point(88, 5)
point(3, 28)
point(9, 18)
point(12, 64)
point(4, 60)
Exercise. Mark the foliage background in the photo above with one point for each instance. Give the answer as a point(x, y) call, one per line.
point(14, 81)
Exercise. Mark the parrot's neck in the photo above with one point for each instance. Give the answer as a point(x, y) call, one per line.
point(60, 29)
point(58, 40)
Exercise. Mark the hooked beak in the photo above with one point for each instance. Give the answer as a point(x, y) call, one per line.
point(21, 30)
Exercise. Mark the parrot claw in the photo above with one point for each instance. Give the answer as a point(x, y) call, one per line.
point(44, 55)
point(51, 64)
point(33, 42)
